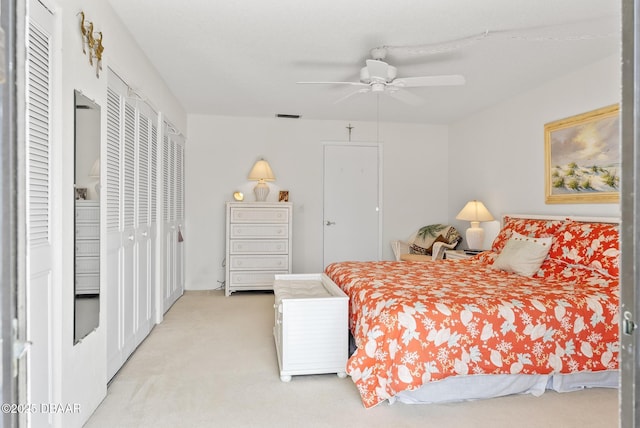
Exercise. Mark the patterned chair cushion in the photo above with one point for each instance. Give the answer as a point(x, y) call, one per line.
point(422, 241)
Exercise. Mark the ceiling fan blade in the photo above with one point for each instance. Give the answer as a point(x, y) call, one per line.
point(378, 69)
point(405, 96)
point(350, 94)
point(333, 83)
point(443, 80)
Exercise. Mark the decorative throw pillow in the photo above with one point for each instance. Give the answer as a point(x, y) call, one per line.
point(536, 228)
point(523, 255)
point(595, 245)
point(422, 241)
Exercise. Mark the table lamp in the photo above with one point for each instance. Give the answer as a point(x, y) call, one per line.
point(475, 212)
point(262, 173)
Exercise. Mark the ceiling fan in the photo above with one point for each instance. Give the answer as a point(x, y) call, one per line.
point(380, 77)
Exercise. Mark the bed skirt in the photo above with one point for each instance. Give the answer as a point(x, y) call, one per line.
point(475, 387)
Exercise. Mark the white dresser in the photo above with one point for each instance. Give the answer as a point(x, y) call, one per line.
point(87, 247)
point(311, 325)
point(258, 244)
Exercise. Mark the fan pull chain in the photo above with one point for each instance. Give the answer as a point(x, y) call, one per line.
point(378, 118)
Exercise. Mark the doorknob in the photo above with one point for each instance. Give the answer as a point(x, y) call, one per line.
point(329, 223)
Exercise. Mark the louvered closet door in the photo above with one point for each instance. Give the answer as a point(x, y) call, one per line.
point(172, 216)
point(113, 185)
point(129, 284)
point(39, 264)
point(154, 247)
point(132, 155)
point(179, 196)
point(168, 215)
point(143, 228)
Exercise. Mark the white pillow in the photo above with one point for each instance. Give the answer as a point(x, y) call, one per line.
point(523, 255)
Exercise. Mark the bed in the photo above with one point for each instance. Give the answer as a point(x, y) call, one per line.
point(538, 311)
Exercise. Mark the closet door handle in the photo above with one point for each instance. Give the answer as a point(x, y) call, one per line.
point(330, 223)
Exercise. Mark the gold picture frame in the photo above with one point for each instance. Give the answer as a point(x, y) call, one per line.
point(582, 158)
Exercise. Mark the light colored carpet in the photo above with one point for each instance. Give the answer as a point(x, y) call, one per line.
point(212, 363)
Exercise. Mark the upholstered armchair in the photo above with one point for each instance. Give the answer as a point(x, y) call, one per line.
point(428, 243)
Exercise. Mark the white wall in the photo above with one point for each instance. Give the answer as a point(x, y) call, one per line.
point(221, 151)
point(80, 371)
point(497, 155)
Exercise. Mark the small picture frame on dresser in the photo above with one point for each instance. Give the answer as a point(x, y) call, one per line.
point(81, 193)
point(283, 196)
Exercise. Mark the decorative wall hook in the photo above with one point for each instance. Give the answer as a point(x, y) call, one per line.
point(91, 43)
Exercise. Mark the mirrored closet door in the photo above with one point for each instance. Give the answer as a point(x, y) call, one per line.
point(87, 216)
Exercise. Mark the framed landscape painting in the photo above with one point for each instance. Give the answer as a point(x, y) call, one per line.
point(582, 158)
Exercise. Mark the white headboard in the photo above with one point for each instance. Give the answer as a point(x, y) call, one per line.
point(614, 220)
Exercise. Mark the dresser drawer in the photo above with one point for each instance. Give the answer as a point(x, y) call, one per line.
point(259, 262)
point(260, 215)
point(87, 231)
point(88, 247)
point(87, 265)
point(87, 212)
point(266, 246)
point(87, 283)
point(258, 231)
point(253, 280)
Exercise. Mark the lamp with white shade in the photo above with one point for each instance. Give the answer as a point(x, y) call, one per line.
point(261, 172)
point(475, 212)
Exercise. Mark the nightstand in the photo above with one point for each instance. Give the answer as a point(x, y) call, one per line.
point(456, 255)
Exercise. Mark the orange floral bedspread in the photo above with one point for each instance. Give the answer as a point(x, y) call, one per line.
point(415, 322)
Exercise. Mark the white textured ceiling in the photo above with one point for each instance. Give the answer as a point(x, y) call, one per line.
point(242, 58)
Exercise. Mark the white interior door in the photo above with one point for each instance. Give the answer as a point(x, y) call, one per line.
point(352, 211)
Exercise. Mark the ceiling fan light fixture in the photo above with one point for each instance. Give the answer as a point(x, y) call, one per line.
point(366, 77)
point(377, 87)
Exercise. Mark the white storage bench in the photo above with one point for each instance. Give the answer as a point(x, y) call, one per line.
point(311, 325)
